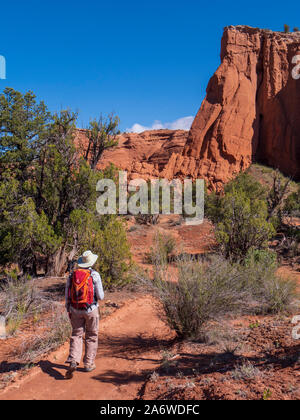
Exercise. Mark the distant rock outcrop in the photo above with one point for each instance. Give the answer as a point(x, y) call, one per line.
point(251, 110)
point(142, 155)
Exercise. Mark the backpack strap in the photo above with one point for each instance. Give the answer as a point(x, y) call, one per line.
point(94, 300)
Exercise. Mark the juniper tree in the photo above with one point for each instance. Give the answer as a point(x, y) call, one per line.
point(240, 216)
point(48, 192)
point(102, 135)
point(23, 124)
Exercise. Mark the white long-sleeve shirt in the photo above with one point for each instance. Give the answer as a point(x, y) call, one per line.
point(97, 287)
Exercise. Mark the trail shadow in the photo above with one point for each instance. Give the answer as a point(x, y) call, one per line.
point(223, 362)
point(289, 356)
point(51, 369)
point(185, 362)
point(122, 378)
point(189, 364)
point(57, 289)
point(131, 347)
point(6, 367)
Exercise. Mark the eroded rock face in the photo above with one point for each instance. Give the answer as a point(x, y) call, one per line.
point(142, 155)
point(251, 110)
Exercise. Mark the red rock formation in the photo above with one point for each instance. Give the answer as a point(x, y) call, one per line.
point(251, 110)
point(142, 155)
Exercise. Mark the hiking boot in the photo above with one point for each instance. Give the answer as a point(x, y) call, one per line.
point(89, 368)
point(71, 370)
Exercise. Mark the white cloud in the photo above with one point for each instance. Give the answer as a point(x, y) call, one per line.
point(180, 124)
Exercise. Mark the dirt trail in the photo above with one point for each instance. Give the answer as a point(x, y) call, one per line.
point(130, 342)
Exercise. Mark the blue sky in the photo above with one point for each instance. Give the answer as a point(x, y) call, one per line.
point(147, 61)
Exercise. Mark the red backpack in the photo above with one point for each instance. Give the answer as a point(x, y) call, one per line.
point(81, 291)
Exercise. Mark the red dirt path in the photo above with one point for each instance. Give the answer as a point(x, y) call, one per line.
point(130, 342)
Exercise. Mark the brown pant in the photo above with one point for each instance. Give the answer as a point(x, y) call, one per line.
point(87, 323)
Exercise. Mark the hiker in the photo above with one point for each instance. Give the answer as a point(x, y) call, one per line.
point(83, 290)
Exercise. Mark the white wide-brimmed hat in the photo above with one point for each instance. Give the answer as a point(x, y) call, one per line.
point(87, 259)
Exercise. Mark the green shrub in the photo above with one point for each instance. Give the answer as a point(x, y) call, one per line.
point(263, 257)
point(286, 28)
point(243, 183)
point(163, 247)
point(246, 183)
point(270, 292)
point(267, 394)
point(292, 204)
point(243, 226)
point(278, 293)
point(106, 237)
point(201, 292)
point(240, 216)
point(213, 207)
point(114, 254)
point(208, 290)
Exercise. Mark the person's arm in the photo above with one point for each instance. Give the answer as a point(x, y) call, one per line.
point(98, 285)
point(67, 303)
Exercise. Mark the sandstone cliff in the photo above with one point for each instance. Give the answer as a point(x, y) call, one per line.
point(250, 112)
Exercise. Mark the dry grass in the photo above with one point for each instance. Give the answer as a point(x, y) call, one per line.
point(20, 299)
point(57, 331)
point(245, 371)
point(163, 247)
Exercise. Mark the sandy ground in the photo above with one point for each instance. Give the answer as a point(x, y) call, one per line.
point(130, 342)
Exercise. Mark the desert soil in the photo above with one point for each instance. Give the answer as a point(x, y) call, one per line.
point(139, 356)
point(130, 341)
